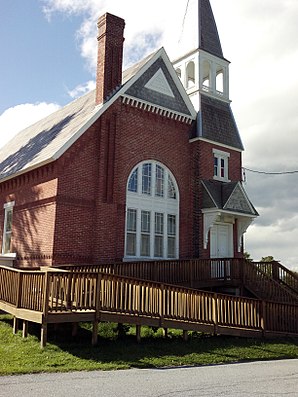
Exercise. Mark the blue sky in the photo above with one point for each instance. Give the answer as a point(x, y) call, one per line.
point(48, 57)
point(40, 59)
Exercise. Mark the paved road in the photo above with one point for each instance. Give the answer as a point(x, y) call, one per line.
point(275, 378)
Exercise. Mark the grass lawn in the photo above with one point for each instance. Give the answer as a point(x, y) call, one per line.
point(65, 353)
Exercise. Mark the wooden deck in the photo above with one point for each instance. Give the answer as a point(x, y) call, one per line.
point(100, 293)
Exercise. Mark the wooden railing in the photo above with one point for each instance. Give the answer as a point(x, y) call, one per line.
point(178, 272)
point(281, 318)
point(127, 296)
point(258, 277)
point(22, 289)
point(61, 296)
point(77, 291)
point(280, 274)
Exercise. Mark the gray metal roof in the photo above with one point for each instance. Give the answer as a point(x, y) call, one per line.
point(209, 39)
point(217, 124)
point(40, 142)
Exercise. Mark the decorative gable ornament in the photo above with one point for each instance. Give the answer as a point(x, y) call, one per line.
point(159, 83)
point(238, 201)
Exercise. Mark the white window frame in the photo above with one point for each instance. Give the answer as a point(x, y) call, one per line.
point(8, 207)
point(221, 156)
point(155, 204)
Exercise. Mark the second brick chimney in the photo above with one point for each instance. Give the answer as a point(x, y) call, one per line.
point(110, 55)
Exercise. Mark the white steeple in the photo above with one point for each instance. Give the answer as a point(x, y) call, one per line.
point(201, 66)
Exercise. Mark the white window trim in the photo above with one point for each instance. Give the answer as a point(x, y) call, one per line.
point(154, 204)
point(221, 155)
point(6, 206)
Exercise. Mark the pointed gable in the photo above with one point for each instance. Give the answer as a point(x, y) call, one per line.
point(156, 85)
point(208, 34)
point(239, 202)
point(228, 196)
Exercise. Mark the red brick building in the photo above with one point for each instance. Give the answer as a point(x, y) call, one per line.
point(147, 166)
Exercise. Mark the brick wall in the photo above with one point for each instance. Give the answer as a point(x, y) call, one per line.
point(34, 194)
point(73, 211)
point(91, 198)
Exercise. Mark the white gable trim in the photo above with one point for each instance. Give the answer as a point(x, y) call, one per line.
point(149, 107)
point(228, 212)
point(215, 143)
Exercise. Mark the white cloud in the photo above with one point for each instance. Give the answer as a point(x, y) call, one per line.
point(82, 89)
point(149, 25)
point(19, 117)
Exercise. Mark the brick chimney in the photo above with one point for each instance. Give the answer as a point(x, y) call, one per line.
point(110, 55)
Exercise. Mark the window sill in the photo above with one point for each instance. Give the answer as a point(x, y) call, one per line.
point(7, 259)
point(221, 179)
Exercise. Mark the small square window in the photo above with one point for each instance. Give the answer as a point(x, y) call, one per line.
point(221, 165)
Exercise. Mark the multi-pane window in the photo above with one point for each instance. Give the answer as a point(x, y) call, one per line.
point(171, 236)
point(159, 181)
point(145, 233)
point(221, 162)
point(7, 229)
point(131, 232)
point(146, 178)
point(152, 212)
point(159, 235)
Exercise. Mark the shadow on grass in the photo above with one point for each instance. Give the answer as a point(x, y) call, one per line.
point(156, 351)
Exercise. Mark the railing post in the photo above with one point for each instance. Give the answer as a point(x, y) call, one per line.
point(18, 302)
point(15, 327)
point(68, 292)
point(275, 272)
point(97, 310)
point(263, 317)
point(44, 325)
point(215, 313)
point(241, 265)
point(25, 329)
point(162, 305)
point(19, 290)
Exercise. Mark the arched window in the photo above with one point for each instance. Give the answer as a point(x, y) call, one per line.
point(190, 75)
point(206, 76)
point(152, 213)
point(178, 72)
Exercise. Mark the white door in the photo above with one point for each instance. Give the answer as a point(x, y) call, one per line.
point(221, 246)
point(221, 241)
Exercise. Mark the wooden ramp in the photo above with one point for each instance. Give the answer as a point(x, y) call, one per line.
point(58, 296)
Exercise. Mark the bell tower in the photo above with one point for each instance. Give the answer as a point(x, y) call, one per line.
point(202, 67)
